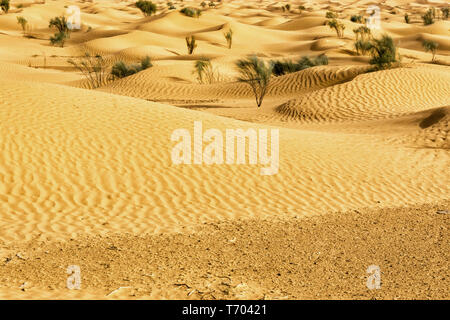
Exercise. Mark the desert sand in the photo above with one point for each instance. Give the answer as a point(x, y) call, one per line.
point(87, 179)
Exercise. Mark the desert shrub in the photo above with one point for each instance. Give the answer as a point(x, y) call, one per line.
point(122, 70)
point(205, 71)
point(23, 23)
point(407, 19)
point(203, 4)
point(320, 60)
point(356, 18)
point(94, 69)
point(212, 4)
point(430, 46)
point(147, 7)
point(59, 38)
point(331, 15)
point(280, 68)
point(191, 45)
point(229, 37)
point(362, 44)
point(284, 67)
point(362, 47)
point(301, 8)
point(191, 12)
point(428, 17)
point(445, 13)
point(4, 4)
point(383, 52)
point(337, 26)
point(60, 23)
point(256, 73)
point(362, 33)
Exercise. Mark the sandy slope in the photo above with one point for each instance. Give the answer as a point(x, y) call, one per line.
point(95, 165)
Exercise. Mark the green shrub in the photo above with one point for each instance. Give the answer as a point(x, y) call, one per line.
point(191, 12)
point(147, 7)
point(23, 23)
point(358, 19)
point(121, 70)
point(93, 68)
point(284, 67)
point(4, 4)
point(205, 72)
point(229, 37)
point(362, 33)
point(331, 15)
point(407, 19)
point(60, 23)
point(383, 52)
point(428, 17)
point(362, 46)
point(256, 73)
point(337, 26)
point(430, 46)
point(191, 45)
point(59, 38)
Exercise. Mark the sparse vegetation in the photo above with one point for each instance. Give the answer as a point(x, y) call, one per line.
point(362, 47)
point(362, 43)
point(23, 23)
point(445, 13)
point(205, 71)
point(94, 69)
point(256, 73)
point(147, 7)
point(122, 70)
point(4, 4)
point(229, 37)
point(280, 68)
point(60, 23)
point(383, 52)
point(356, 18)
point(191, 44)
point(362, 33)
point(59, 38)
point(430, 46)
point(331, 15)
point(337, 26)
point(428, 17)
point(407, 19)
point(191, 12)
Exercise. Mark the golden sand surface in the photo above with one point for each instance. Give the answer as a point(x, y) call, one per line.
point(87, 179)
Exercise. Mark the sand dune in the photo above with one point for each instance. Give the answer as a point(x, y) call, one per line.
point(416, 88)
point(88, 172)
